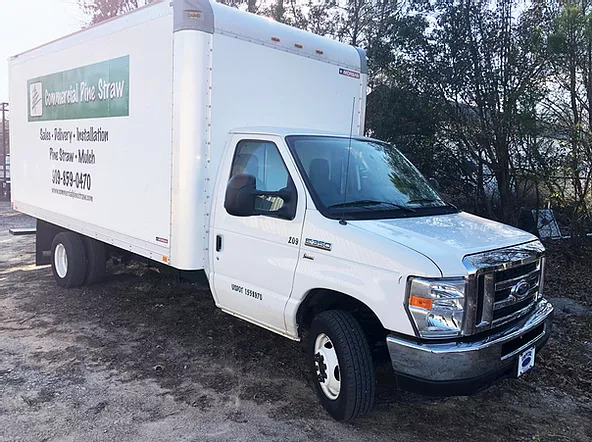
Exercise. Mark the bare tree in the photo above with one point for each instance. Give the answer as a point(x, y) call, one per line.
point(569, 106)
point(100, 10)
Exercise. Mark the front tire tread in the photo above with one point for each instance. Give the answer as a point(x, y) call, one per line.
point(357, 393)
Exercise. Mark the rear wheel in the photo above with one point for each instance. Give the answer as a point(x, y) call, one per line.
point(68, 262)
point(342, 365)
point(96, 261)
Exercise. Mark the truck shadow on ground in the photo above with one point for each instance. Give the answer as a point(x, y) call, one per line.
point(140, 324)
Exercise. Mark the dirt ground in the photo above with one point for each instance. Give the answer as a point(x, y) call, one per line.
point(143, 357)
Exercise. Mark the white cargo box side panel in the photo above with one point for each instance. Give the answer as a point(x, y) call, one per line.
point(258, 85)
point(269, 74)
point(97, 164)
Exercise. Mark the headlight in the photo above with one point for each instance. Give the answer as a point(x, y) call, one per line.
point(437, 306)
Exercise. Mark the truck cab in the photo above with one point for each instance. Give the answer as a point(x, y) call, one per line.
point(343, 237)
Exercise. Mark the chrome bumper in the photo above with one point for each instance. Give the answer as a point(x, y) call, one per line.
point(459, 361)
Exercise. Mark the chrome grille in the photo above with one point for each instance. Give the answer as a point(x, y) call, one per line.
point(515, 290)
point(506, 283)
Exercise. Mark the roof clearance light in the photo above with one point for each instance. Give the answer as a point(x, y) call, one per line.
point(318, 51)
point(277, 40)
point(298, 45)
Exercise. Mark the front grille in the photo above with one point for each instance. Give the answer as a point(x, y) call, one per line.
point(506, 279)
point(503, 285)
point(506, 294)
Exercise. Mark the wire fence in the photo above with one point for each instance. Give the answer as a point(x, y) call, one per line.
point(4, 152)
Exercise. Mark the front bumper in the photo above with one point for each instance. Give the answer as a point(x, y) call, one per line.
point(463, 367)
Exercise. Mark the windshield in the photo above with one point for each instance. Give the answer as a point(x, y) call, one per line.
point(380, 179)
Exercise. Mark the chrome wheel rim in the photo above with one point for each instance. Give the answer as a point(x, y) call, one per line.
point(60, 260)
point(327, 366)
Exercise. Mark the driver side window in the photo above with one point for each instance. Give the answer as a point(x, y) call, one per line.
point(262, 160)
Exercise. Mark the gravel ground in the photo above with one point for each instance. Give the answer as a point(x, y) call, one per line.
point(142, 357)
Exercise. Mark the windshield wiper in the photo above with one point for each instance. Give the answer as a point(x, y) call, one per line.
point(362, 203)
point(421, 200)
point(426, 200)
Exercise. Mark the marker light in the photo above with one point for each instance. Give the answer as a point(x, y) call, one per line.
point(416, 301)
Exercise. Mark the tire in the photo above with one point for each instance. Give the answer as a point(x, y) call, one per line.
point(355, 370)
point(96, 261)
point(70, 271)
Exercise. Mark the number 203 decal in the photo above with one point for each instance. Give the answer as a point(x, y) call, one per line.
point(293, 240)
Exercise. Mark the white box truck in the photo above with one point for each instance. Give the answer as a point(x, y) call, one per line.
point(211, 140)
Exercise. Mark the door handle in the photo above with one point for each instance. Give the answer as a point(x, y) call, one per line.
point(218, 243)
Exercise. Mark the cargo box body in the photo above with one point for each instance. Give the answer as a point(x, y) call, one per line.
point(117, 131)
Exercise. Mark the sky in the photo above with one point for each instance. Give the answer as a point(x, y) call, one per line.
point(25, 24)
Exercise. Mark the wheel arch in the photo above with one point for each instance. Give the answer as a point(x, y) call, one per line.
point(44, 235)
point(318, 300)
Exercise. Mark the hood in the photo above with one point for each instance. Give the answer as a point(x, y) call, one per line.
point(447, 239)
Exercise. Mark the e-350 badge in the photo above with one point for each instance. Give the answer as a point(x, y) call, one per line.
point(317, 244)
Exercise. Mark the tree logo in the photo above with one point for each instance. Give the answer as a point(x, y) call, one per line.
point(35, 99)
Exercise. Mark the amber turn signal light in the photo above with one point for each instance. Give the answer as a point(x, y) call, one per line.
point(416, 301)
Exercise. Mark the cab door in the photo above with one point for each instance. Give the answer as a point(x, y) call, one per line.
point(254, 256)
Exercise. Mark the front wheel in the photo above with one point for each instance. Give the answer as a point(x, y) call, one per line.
point(342, 365)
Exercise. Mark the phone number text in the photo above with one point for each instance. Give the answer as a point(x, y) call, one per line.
point(69, 178)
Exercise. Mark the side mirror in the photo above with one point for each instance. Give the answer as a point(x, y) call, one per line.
point(240, 195)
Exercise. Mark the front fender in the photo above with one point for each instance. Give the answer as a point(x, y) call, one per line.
point(358, 264)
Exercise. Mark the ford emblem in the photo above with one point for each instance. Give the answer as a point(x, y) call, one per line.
point(520, 289)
